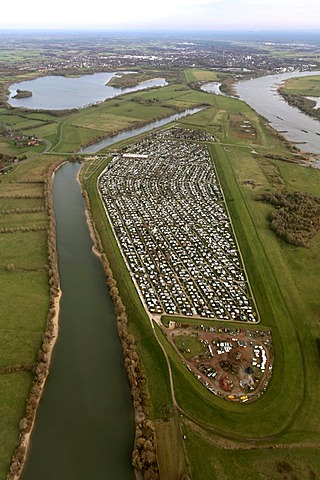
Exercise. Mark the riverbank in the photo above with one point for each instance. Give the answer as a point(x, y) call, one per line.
point(144, 126)
point(42, 368)
point(21, 454)
point(304, 104)
point(297, 127)
point(144, 457)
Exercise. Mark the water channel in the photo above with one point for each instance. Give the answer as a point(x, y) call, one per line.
point(85, 426)
point(95, 147)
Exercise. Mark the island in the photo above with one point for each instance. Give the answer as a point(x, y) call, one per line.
point(22, 94)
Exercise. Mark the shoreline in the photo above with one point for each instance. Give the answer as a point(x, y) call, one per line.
point(43, 362)
point(141, 416)
point(25, 438)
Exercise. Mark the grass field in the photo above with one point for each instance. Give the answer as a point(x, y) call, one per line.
point(14, 389)
point(307, 86)
point(200, 75)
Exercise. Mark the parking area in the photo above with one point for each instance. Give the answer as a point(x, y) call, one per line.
point(167, 210)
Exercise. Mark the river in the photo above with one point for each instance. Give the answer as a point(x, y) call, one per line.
point(95, 147)
point(61, 93)
point(85, 424)
point(261, 94)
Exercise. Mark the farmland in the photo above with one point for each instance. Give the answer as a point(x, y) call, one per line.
point(307, 86)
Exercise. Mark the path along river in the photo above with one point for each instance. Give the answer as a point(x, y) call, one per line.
point(85, 426)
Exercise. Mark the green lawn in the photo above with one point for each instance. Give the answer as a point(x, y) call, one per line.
point(200, 75)
point(307, 86)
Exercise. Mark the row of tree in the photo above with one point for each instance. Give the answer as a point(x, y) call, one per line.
point(31, 228)
point(144, 458)
point(296, 217)
point(17, 368)
point(303, 103)
point(13, 211)
point(21, 196)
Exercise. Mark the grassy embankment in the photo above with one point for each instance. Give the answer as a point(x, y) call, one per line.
point(295, 91)
point(285, 284)
point(284, 280)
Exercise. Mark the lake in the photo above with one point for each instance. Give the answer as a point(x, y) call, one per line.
point(62, 93)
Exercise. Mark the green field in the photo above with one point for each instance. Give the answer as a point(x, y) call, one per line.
point(307, 86)
point(23, 284)
point(200, 75)
point(277, 436)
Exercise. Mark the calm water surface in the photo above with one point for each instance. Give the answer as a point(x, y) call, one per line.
point(95, 147)
point(60, 93)
point(85, 426)
point(261, 94)
point(212, 87)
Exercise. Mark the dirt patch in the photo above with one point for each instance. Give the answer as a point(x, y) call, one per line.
point(235, 364)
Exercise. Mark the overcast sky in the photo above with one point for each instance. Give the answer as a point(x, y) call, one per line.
point(163, 14)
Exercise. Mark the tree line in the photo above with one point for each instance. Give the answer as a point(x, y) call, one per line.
point(296, 217)
point(144, 457)
point(13, 211)
point(303, 103)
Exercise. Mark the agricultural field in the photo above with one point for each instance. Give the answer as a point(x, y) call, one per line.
point(23, 284)
point(200, 75)
point(306, 86)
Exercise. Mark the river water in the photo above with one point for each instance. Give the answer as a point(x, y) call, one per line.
point(60, 93)
point(261, 94)
point(95, 147)
point(85, 425)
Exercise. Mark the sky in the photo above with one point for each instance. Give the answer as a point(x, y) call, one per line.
point(164, 14)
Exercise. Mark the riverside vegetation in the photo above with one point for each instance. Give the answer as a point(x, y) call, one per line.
point(219, 437)
point(296, 90)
